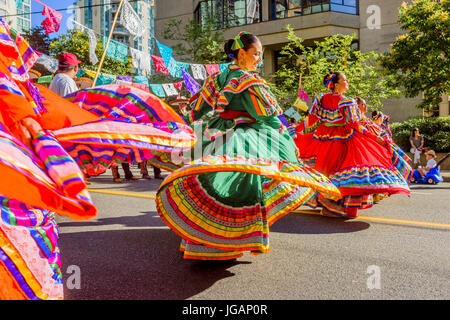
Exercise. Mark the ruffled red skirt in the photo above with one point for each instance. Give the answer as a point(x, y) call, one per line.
point(355, 163)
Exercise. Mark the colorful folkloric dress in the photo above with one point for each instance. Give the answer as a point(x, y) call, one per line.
point(348, 153)
point(134, 126)
point(35, 182)
point(399, 158)
point(244, 173)
point(41, 179)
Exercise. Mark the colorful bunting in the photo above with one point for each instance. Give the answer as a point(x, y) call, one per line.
point(141, 79)
point(224, 66)
point(170, 90)
point(212, 68)
point(53, 19)
point(159, 65)
point(179, 84)
point(92, 46)
point(124, 80)
point(141, 60)
point(199, 71)
point(158, 90)
point(173, 69)
point(45, 79)
point(165, 51)
point(116, 50)
point(131, 21)
point(104, 79)
point(191, 85)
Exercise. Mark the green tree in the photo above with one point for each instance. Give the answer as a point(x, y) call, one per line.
point(77, 42)
point(312, 63)
point(38, 39)
point(199, 43)
point(418, 60)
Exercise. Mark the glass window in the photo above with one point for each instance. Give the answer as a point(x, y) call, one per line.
point(291, 8)
point(229, 13)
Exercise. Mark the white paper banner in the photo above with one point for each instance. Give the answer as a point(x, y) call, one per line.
point(92, 45)
point(198, 71)
point(141, 60)
point(130, 20)
point(49, 63)
point(170, 89)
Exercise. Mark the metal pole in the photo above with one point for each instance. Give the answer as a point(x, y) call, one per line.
point(107, 42)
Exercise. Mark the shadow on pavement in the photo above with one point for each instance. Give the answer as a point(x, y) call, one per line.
point(135, 264)
point(147, 219)
point(127, 186)
point(428, 187)
point(307, 224)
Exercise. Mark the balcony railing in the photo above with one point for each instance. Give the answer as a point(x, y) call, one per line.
point(285, 9)
point(233, 13)
point(229, 13)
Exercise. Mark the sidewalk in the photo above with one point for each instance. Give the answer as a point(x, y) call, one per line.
point(445, 175)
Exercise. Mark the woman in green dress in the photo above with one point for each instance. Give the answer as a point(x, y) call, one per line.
point(244, 173)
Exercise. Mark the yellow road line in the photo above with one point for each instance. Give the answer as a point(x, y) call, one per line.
point(120, 193)
point(409, 222)
point(311, 212)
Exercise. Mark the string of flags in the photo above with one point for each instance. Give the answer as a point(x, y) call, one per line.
point(142, 61)
point(52, 20)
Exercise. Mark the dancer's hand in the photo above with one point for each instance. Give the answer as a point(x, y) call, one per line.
point(28, 130)
point(33, 127)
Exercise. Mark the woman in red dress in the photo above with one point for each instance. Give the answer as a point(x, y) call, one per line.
point(355, 159)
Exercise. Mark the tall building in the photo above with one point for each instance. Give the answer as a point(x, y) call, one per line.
point(17, 13)
point(98, 15)
point(23, 16)
point(373, 22)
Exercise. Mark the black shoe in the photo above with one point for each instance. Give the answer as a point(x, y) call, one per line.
point(159, 177)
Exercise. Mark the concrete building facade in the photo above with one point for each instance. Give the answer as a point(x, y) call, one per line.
point(373, 22)
point(17, 14)
point(98, 15)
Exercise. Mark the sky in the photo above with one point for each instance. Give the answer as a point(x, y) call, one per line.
point(36, 19)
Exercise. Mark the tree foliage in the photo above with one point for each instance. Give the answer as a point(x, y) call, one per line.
point(419, 60)
point(38, 39)
point(77, 42)
point(436, 132)
point(198, 43)
point(314, 62)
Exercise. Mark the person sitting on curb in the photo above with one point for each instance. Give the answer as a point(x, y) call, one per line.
point(416, 141)
point(431, 163)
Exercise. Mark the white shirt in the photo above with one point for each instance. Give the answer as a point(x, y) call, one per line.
point(63, 85)
point(431, 163)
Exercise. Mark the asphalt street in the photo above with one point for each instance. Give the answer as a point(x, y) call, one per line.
point(399, 249)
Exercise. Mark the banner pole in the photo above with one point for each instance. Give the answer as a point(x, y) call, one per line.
point(100, 65)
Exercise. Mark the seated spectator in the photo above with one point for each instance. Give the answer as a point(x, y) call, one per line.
point(431, 163)
point(416, 141)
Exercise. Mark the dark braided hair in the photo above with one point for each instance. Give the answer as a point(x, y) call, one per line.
point(330, 80)
point(247, 39)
